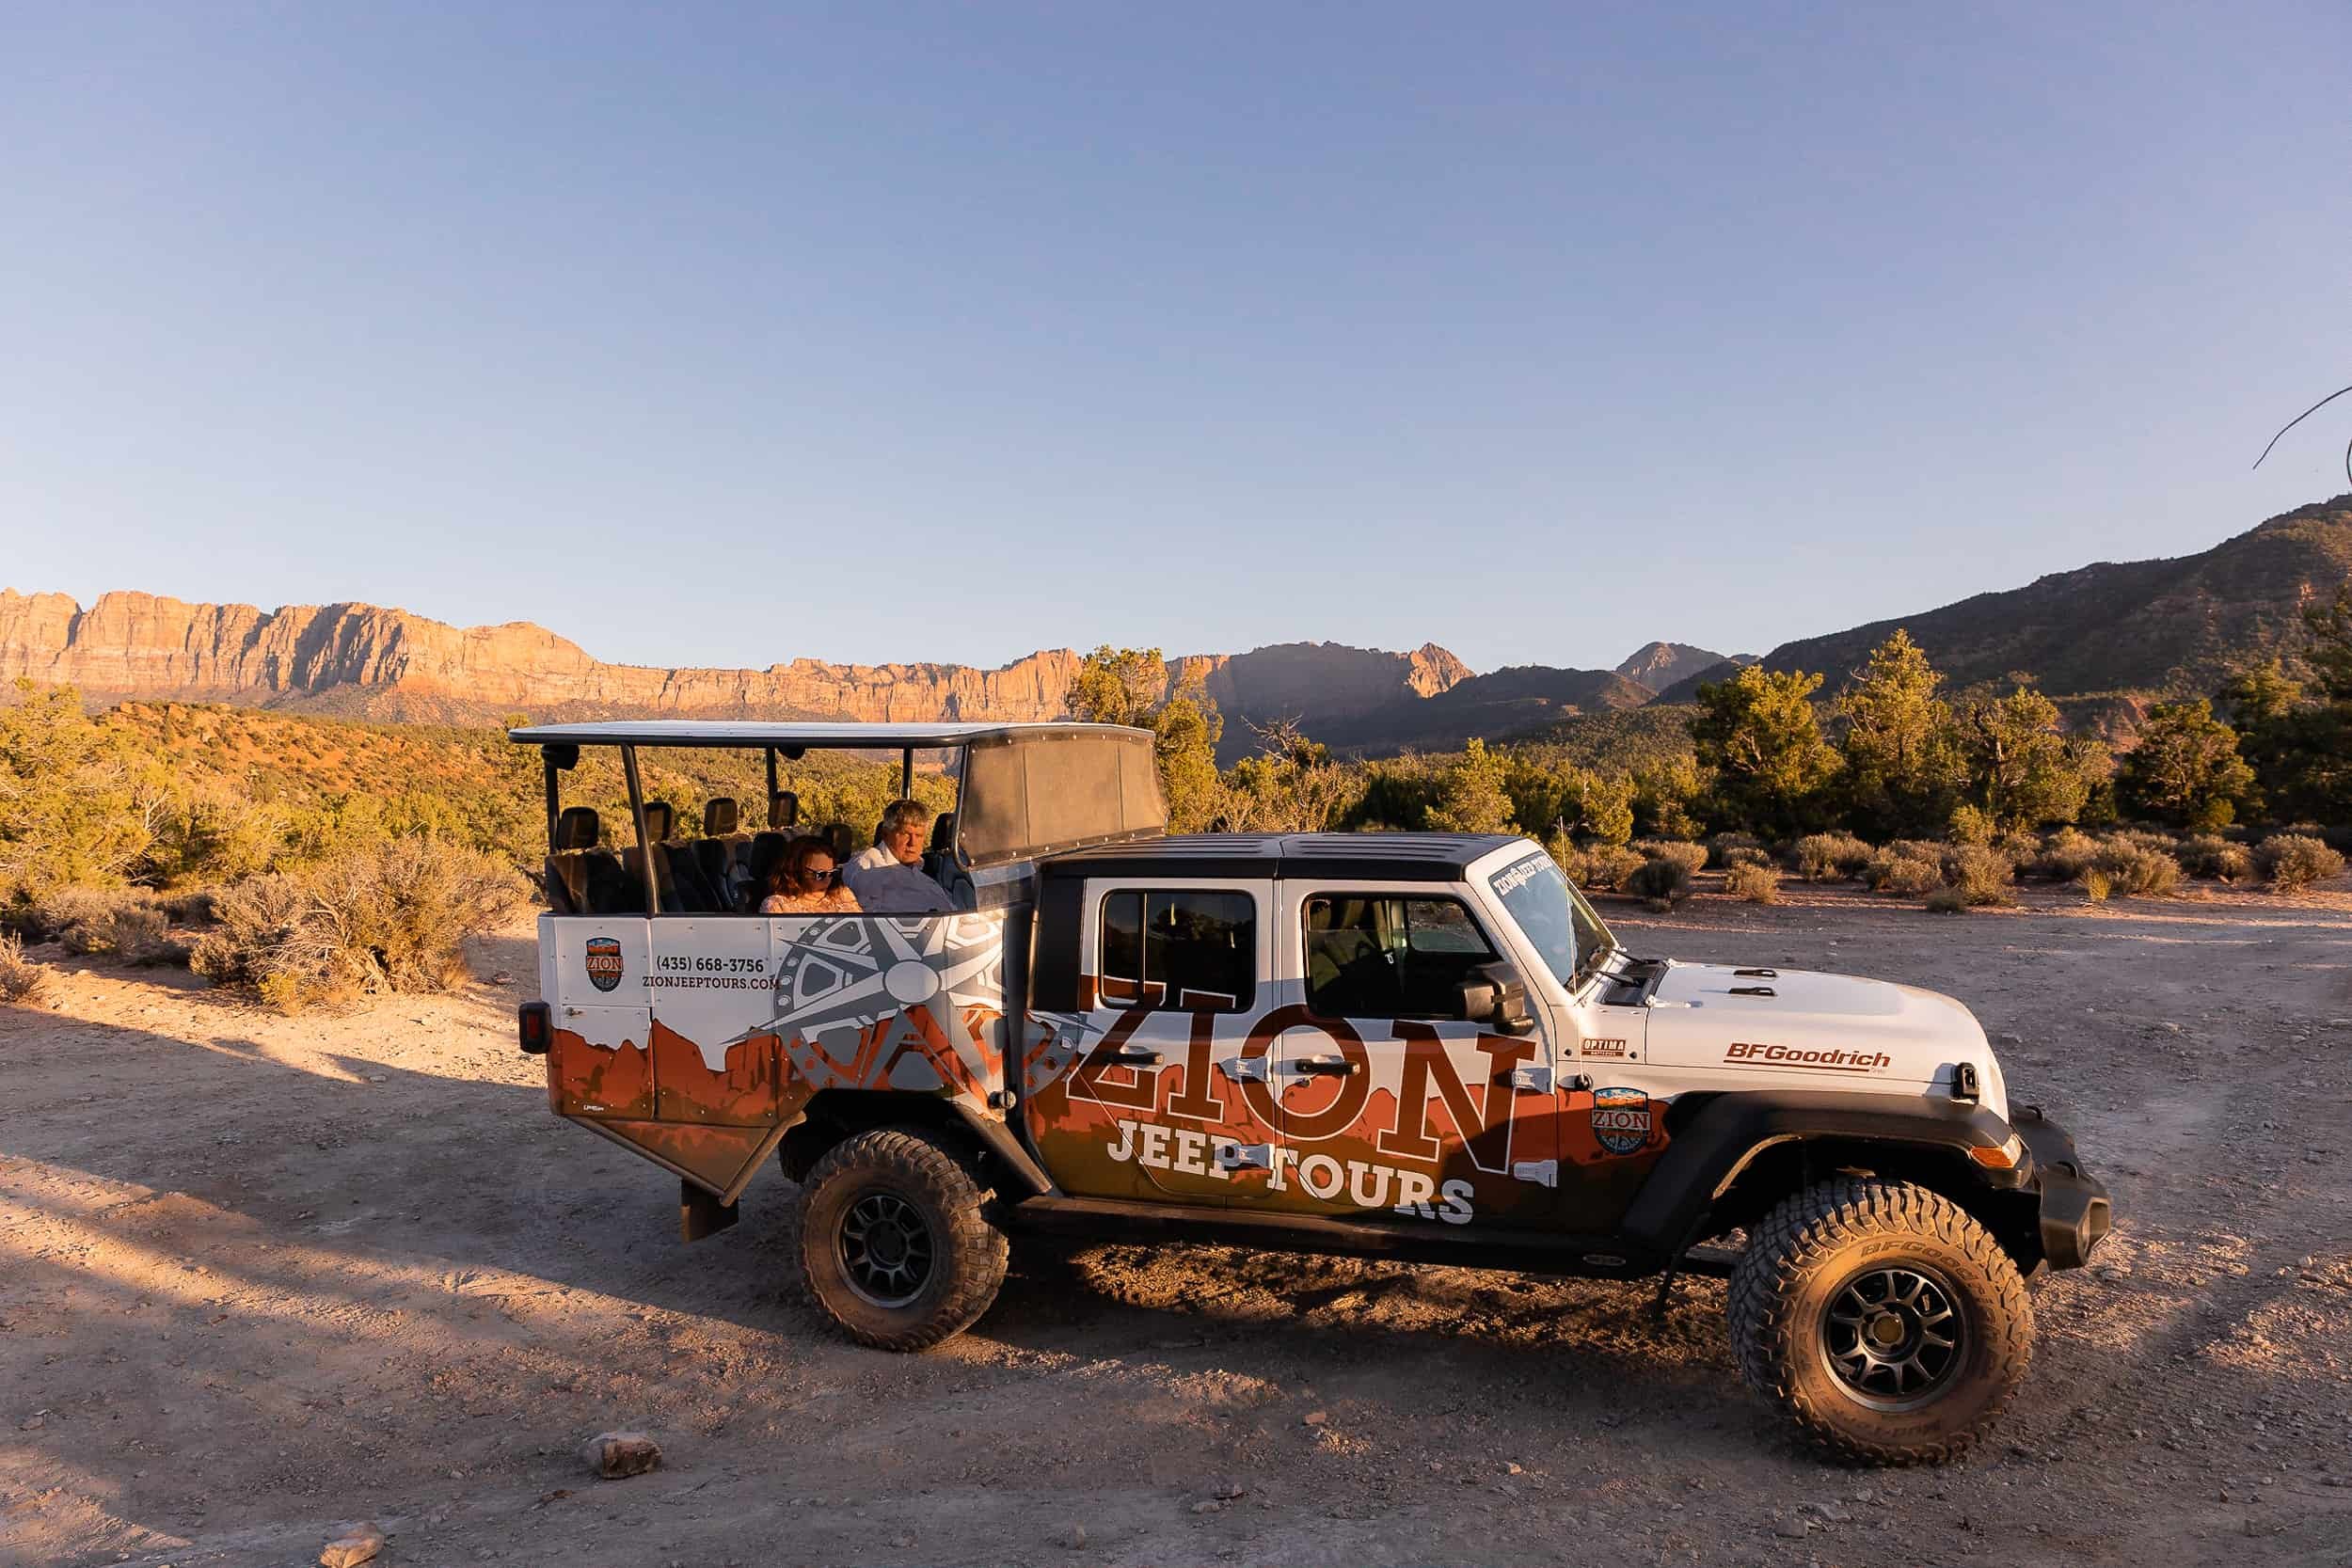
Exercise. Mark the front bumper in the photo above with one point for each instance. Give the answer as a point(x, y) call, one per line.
point(2073, 1208)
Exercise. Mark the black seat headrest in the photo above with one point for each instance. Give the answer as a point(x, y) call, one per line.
point(843, 841)
point(719, 818)
point(659, 819)
point(577, 829)
point(784, 809)
point(943, 830)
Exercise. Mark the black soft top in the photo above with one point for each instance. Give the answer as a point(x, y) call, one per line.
point(1385, 857)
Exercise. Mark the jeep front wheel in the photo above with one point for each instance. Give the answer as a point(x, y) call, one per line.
point(1881, 1318)
point(893, 1246)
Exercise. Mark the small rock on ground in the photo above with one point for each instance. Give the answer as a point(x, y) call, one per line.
point(614, 1454)
point(357, 1545)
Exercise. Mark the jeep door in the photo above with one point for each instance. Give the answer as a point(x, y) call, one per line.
point(1390, 1104)
point(1172, 974)
point(1610, 1123)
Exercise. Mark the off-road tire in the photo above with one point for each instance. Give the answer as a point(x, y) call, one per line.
point(901, 1168)
point(1800, 1260)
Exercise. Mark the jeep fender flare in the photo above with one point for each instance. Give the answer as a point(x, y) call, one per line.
point(831, 1114)
point(1724, 1133)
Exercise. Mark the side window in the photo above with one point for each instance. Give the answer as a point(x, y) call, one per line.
point(1179, 952)
point(1370, 956)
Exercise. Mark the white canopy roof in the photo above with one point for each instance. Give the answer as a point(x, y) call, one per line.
point(789, 733)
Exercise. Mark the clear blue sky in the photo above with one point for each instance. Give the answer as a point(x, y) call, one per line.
point(706, 336)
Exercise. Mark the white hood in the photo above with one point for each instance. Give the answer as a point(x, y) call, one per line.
point(1817, 1031)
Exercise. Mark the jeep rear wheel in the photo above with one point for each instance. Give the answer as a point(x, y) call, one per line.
point(1881, 1318)
point(893, 1246)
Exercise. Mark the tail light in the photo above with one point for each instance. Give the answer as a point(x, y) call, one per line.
point(536, 1027)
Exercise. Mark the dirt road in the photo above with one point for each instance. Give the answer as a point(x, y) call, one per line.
point(261, 1276)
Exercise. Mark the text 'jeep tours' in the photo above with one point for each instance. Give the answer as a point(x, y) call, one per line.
point(1423, 1047)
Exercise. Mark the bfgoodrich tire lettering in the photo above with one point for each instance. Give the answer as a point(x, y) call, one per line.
point(1833, 1252)
point(893, 1246)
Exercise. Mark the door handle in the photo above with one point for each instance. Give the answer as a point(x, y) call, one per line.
point(1135, 1054)
point(1323, 1067)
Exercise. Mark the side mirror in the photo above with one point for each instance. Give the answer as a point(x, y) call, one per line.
point(1493, 995)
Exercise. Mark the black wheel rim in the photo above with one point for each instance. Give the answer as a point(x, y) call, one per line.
point(886, 1250)
point(1894, 1336)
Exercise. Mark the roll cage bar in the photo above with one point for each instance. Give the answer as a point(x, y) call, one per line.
point(1134, 816)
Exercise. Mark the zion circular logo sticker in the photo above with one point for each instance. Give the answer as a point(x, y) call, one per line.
point(604, 962)
point(1620, 1119)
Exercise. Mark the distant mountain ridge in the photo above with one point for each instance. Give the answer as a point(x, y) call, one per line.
point(365, 661)
point(1656, 666)
point(2100, 637)
point(2174, 626)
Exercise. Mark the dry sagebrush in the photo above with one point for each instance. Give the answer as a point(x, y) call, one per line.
point(388, 918)
point(23, 982)
point(2292, 860)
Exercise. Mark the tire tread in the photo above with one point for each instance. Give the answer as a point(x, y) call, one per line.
point(1801, 1236)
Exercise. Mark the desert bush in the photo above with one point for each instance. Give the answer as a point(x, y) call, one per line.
point(2094, 884)
point(1723, 847)
point(1979, 876)
point(2292, 860)
point(2133, 870)
point(2019, 848)
point(1972, 825)
point(385, 918)
point(23, 982)
point(1733, 858)
point(2215, 858)
point(2065, 856)
point(1757, 882)
point(1947, 900)
point(1603, 865)
point(1905, 876)
point(1690, 856)
point(130, 924)
point(1829, 857)
point(1664, 880)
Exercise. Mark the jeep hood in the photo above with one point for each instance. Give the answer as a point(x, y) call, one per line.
point(1816, 1031)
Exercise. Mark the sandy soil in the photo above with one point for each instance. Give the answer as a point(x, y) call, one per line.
point(265, 1275)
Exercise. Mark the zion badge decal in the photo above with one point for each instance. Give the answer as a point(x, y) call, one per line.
point(1620, 1119)
point(604, 962)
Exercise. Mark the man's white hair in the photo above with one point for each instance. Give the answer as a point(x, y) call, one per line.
point(901, 814)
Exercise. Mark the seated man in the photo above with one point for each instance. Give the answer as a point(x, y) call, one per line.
point(888, 878)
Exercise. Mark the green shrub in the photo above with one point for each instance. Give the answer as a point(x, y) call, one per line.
point(2215, 858)
point(1978, 876)
point(1603, 865)
point(2094, 884)
point(1723, 846)
point(1757, 882)
point(1905, 876)
point(1829, 857)
point(2292, 860)
point(1664, 880)
point(23, 982)
point(2133, 870)
point(1947, 900)
point(2065, 856)
point(1972, 825)
point(385, 918)
point(1690, 856)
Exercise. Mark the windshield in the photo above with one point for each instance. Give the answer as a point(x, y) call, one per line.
point(1554, 916)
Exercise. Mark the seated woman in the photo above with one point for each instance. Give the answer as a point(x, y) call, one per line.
point(805, 881)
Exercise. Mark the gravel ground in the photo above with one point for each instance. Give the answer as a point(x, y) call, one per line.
point(266, 1276)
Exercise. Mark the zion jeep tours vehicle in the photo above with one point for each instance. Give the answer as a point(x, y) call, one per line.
point(1414, 1045)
